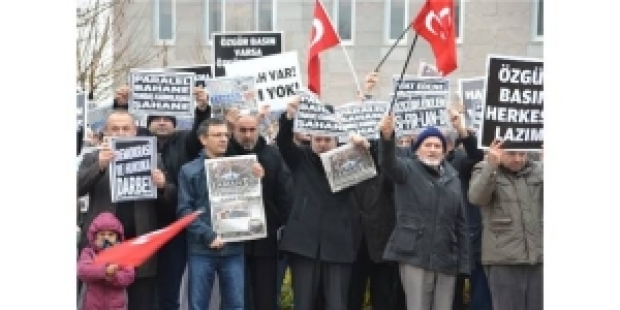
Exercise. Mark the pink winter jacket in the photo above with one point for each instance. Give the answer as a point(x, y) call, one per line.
point(100, 292)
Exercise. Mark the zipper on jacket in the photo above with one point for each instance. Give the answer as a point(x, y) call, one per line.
point(436, 210)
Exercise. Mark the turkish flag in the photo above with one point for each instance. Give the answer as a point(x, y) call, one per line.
point(323, 37)
point(134, 252)
point(435, 23)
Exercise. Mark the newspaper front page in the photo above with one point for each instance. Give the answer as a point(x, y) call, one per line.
point(235, 196)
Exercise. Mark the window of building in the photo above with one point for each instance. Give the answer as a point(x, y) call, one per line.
point(239, 15)
point(265, 11)
point(343, 17)
point(396, 20)
point(539, 21)
point(165, 20)
point(214, 21)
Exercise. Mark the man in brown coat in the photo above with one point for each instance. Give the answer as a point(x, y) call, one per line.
point(139, 217)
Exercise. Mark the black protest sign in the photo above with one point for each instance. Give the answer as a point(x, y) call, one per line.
point(315, 119)
point(420, 84)
point(362, 118)
point(513, 104)
point(130, 170)
point(471, 93)
point(162, 93)
point(202, 72)
point(415, 111)
point(81, 109)
point(230, 47)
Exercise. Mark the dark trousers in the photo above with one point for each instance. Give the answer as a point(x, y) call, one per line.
point(479, 292)
point(141, 293)
point(262, 281)
point(308, 273)
point(516, 287)
point(282, 266)
point(171, 261)
point(386, 292)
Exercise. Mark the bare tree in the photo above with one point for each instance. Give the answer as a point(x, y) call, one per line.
point(109, 43)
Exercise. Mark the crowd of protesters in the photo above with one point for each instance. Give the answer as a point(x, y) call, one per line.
point(439, 213)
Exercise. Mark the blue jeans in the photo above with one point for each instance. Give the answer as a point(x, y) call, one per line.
point(201, 273)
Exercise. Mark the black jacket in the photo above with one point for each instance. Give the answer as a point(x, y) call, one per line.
point(464, 161)
point(374, 200)
point(321, 224)
point(430, 231)
point(277, 189)
point(180, 148)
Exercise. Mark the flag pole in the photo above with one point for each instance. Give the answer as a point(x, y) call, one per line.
point(346, 55)
point(402, 73)
point(392, 48)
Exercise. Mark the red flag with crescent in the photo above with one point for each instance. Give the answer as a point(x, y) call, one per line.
point(134, 252)
point(435, 23)
point(323, 37)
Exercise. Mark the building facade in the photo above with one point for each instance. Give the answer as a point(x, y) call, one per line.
point(179, 33)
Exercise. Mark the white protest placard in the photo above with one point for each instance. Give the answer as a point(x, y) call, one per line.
point(278, 77)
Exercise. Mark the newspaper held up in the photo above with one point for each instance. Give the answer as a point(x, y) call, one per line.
point(347, 165)
point(235, 196)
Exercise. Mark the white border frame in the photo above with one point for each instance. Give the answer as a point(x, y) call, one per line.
point(274, 14)
point(208, 39)
point(336, 19)
point(156, 39)
point(387, 10)
point(485, 90)
point(535, 36)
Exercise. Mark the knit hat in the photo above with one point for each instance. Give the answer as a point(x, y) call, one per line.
point(151, 118)
point(427, 133)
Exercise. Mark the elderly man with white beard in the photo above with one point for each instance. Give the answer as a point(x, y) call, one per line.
point(430, 239)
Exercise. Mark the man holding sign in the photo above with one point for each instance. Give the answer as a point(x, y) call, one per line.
point(508, 187)
point(137, 217)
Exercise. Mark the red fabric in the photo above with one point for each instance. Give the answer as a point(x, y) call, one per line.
point(134, 252)
point(323, 37)
point(103, 292)
point(435, 23)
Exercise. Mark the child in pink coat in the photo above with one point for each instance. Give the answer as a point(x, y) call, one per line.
point(104, 287)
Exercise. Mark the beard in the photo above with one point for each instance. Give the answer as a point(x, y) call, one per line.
point(431, 162)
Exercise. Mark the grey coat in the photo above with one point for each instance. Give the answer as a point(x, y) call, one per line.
point(430, 231)
point(511, 205)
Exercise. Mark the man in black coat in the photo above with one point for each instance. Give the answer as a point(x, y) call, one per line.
point(176, 148)
point(319, 235)
point(374, 200)
point(277, 189)
point(430, 240)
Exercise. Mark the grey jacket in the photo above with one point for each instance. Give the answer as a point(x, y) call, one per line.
point(511, 205)
point(430, 231)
